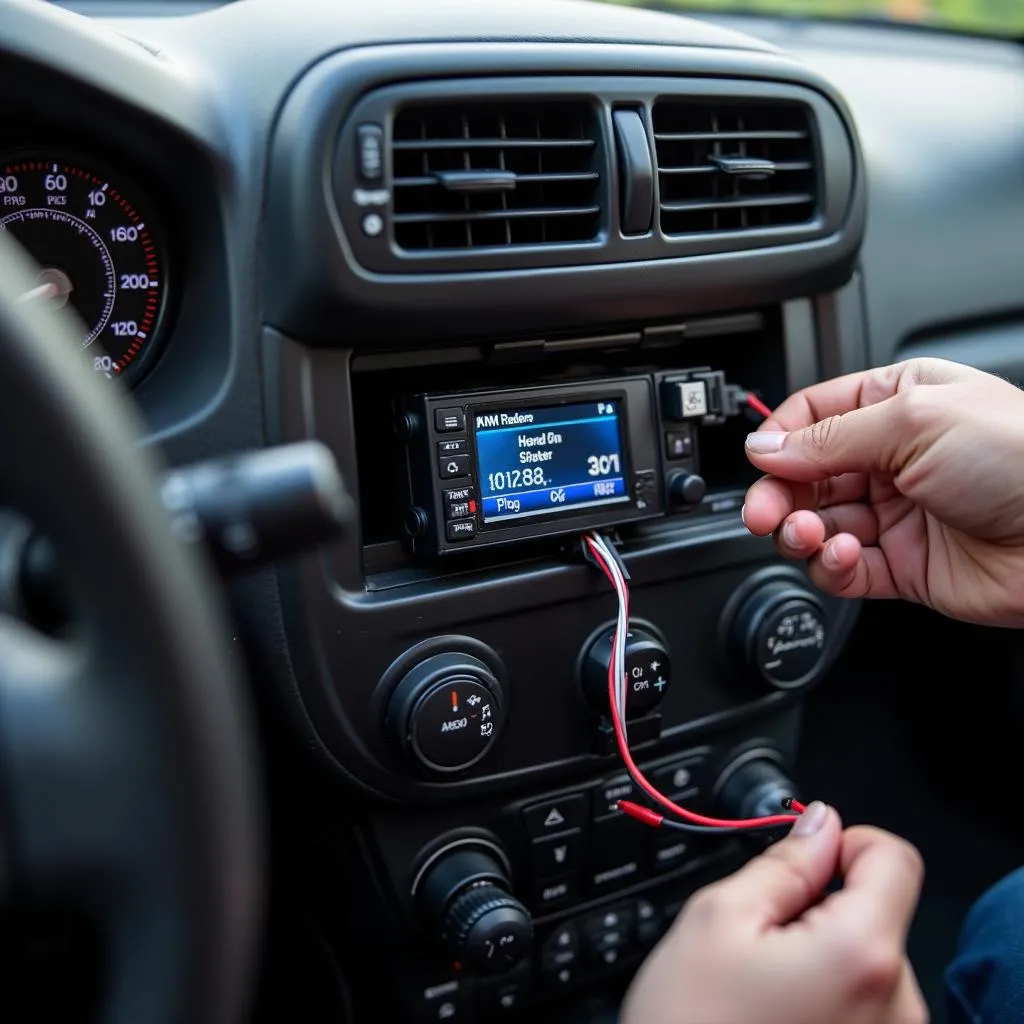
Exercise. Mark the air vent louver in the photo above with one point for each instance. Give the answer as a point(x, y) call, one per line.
point(734, 165)
point(471, 176)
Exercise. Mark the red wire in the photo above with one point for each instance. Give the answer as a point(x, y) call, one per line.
point(758, 406)
point(627, 758)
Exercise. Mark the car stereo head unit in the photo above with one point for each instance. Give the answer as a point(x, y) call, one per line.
point(496, 467)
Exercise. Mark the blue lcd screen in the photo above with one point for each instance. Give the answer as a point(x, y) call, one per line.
point(538, 461)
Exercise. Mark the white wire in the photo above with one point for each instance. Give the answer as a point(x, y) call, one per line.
point(621, 629)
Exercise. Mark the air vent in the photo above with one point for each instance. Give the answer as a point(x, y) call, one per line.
point(733, 165)
point(495, 175)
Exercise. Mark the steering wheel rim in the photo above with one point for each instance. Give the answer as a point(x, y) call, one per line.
point(126, 753)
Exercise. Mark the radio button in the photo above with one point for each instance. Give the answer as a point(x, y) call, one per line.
point(678, 445)
point(456, 446)
point(458, 494)
point(460, 529)
point(452, 466)
point(448, 420)
point(460, 509)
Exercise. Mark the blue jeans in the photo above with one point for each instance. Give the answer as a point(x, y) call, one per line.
point(985, 981)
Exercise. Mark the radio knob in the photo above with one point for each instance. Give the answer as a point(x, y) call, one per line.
point(648, 672)
point(780, 634)
point(466, 900)
point(686, 488)
point(446, 713)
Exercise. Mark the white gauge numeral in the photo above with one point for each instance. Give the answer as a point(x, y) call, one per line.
point(133, 282)
point(124, 328)
point(8, 183)
point(123, 234)
point(55, 183)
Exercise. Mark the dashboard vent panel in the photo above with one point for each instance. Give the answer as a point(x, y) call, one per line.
point(492, 175)
point(726, 166)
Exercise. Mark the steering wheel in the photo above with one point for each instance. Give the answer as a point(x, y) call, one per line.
point(126, 756)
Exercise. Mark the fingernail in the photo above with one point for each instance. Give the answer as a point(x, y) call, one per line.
point(812, 820)
point(829, 557)
point(789, 537)
point(765, 442)
point(743, 514)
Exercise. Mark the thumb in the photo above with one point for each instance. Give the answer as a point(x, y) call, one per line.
point(791, 876)
point(863, 440)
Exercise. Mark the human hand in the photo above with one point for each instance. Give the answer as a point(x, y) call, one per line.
point(905, 481)
point(764, 947)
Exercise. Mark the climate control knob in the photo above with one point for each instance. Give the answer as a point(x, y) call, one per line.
point(446, 712)
point(780, 634)
point(648, 672)
point(466, 899)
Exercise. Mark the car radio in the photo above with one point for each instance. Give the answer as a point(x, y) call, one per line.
point(496, 467)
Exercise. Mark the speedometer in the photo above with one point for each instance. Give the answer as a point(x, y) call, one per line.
point(97, 249)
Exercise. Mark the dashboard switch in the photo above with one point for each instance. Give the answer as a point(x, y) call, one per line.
point(370, 153)
point(447, 420)
point(450, 466)
point(557, 855)
point(460, 529)
point(556, 815)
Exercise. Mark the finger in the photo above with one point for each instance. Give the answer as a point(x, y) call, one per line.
point(782, 882)
point(882, 876)
point(845, 568)
point(857, 519)
point(833, 397)
point(865, 440)
point(859, 390)
point(908, 1005)
point(800, 535)
point(770, 499)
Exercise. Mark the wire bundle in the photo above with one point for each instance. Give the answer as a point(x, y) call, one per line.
point(604, 555)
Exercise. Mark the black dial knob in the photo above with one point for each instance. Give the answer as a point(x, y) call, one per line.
point(754, 786)
point(686, 488)
point(780, 634)
point(648, 672)
point(465, 898)
point(446, 712)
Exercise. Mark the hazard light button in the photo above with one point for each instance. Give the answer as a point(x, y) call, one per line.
point(555, 815)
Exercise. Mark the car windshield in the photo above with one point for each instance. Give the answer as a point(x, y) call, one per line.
point(986, 17)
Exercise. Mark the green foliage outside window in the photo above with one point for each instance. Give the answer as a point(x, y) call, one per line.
point(987, 17)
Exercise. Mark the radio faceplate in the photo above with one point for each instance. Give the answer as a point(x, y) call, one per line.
point(496, 467)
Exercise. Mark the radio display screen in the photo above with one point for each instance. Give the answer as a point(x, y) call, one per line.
point(535, 461)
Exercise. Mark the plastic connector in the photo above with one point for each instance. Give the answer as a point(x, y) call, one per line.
point(734, 400)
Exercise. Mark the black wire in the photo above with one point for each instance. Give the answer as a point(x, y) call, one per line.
point(716, 830)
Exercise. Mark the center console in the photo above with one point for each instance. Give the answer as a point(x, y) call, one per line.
point(539, 307)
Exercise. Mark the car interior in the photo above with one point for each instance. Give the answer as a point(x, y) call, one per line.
point(374, 392)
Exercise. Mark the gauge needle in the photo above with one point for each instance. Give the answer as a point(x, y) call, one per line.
point(48, 290)
point(455, 702)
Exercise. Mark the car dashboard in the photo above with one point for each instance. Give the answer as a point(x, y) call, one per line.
point(521, 267)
